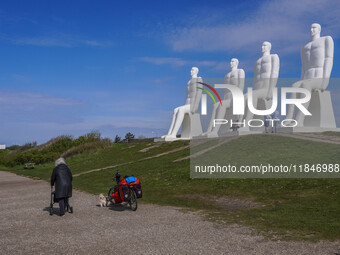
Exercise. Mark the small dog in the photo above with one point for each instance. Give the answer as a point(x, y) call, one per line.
point(103, 201)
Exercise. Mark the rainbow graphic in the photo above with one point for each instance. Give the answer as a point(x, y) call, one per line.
point(208, 92)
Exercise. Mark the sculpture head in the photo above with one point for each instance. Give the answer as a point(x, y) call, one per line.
point(315, 30)
point(194, 72)
point(266, 47)
point(233, 63)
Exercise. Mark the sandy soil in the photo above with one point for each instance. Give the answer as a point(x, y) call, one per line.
point(27, 228)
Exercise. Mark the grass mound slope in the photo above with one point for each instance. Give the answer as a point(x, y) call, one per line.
point(303, 209)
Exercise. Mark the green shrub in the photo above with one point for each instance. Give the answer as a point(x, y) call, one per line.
point(64, 146)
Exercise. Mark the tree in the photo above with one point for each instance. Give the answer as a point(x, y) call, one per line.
point(129, 136)
point(93, 136)
point(117, 139)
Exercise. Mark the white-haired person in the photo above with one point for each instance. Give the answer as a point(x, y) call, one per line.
point(62, 178)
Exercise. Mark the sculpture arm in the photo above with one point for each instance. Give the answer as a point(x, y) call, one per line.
point(256, 71)
point(328, 63)
point(275, 61)
point(197, 97)
point(302, 64)
point(241, 78)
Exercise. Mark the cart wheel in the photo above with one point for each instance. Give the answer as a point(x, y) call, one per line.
point(109, 194)
point(133, 200)
point(51, 210)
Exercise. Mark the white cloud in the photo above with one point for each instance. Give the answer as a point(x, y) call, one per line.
point(57, 40)
point(43, 41)
point(284, 23)
point(21, 78)
point(43, 111)
point(31, 100)
point(179, 62)
point(176, 61)
point(219, 66)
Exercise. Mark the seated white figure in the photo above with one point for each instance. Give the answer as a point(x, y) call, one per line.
point(266, 73)
point(192, 100)
point(317, 63)
point(236, 78)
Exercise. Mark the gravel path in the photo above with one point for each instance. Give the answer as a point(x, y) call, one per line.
point(27, 228)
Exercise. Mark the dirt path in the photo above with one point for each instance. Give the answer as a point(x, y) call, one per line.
point(156, 145)
point(27, 228)
point(222, 140)
point(103, 168)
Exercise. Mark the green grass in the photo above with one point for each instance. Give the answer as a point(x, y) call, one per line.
point(331, 133)
point(299, 209)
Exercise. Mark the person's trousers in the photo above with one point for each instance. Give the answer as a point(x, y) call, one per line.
point(63, 202)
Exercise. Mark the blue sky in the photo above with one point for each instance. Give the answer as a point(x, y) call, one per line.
point(69, 67)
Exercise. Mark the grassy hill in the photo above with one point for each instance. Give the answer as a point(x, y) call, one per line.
point(307, 209)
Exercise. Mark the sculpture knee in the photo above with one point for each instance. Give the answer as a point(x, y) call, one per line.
point(306, 86)
point(180, 110)
point(226, 103)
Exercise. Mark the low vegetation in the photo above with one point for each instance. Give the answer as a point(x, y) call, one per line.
point(56, 147)
point(299, 209)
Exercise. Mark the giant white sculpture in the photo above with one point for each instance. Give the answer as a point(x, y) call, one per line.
point(266, 73)
point(317, 63)
point(236, 78)
point(186, 113)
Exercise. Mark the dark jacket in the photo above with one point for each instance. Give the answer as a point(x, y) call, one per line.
point(62, 177)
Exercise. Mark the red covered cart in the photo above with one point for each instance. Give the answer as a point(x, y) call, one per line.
point(127, 190)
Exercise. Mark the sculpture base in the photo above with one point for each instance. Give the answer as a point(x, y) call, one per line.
point(167, 139)
point(191, 126)
point(158, 139)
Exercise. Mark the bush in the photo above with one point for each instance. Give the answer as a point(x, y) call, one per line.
point(93, 136)
point(61, 145)
point(27, 146)
point(13, 147)
point(87, 147)
point(64, 146)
